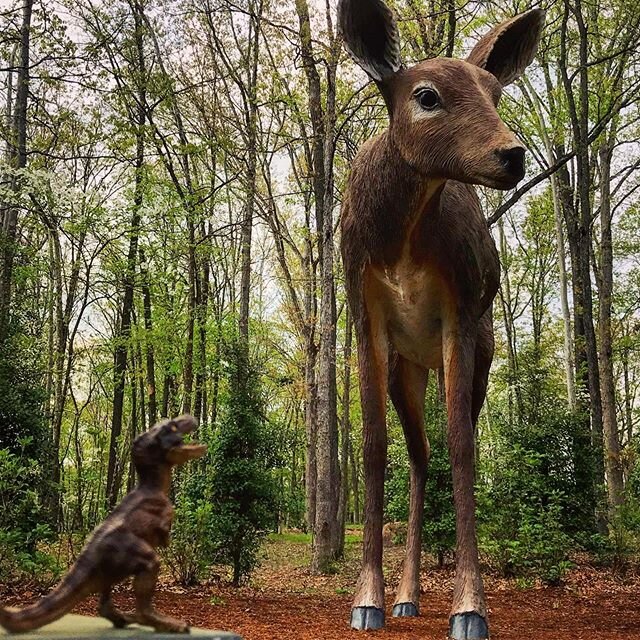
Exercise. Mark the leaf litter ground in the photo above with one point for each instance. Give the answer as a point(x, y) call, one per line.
point(284, 601)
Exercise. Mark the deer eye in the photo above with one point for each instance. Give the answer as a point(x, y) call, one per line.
point(428, 99)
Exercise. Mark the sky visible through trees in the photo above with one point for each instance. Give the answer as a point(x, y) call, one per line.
point(170, 188)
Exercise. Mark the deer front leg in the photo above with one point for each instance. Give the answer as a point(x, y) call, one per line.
point(368, 605)
point(469, 613)
point(407, 387)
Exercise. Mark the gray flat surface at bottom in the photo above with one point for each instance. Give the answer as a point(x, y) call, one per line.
point(78, 627)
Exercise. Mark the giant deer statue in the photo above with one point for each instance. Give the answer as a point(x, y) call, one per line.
point(421, 273)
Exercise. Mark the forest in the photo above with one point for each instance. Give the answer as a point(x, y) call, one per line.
point(171, 181)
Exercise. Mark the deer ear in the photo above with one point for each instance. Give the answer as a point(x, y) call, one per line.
point(371, 36)
point(508, 49)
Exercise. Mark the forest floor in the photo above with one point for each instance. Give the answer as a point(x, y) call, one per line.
point(284, 601)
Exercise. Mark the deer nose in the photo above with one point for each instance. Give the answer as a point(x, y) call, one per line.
point(512, 160)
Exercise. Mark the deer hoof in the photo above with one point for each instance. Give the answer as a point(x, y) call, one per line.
point(468, 626)
point(367, 618)
point(405, 610)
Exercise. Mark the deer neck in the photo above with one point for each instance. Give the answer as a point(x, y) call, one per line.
point(415, 194)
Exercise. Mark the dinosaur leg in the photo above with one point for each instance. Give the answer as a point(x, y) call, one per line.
point(109, 611)
point(144, 585)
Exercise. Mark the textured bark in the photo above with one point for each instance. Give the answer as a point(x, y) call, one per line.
point(16, 159)
point(579, 223)
point(613, 464)
point(323, 119)
point(355, 485)
point(252, 159)
point(191, 310)
point(515, 412)
point(628, 407)
point(345, 433)
point(534, 100)
point(569, 371)
point(152, 404)
point(583, 453)
point(124, 326)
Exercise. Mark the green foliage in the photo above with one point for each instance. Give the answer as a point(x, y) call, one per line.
point(21, 396)
point(21, 520)
point(438, 531)
point(527, 541)
point(24, 448)
point(194, 535)
point(439, 528)
point(243, 493)
point(619, 548)
point(226, 505)
point(530, 504)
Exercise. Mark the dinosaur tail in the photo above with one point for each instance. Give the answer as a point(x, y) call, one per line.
point(75, 586)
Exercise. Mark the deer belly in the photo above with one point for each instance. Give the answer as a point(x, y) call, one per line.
point(413, 305)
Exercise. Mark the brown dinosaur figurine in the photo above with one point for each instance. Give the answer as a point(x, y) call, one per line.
point(124, 545)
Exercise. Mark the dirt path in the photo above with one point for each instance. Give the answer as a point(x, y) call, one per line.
point(286, 602)
point(545, 614)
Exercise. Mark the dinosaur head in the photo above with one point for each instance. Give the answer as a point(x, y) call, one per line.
point(164, 444)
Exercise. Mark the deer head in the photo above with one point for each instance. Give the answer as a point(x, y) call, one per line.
point(443, 117)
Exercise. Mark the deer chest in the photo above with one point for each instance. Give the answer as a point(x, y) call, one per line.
point(410, 303)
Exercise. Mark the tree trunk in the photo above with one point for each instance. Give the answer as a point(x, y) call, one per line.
point(561, 255)
point(579, 229)
point(613, 465)
point(17, 159)
point(327, 530)
point(191, 312)
point(252, 134)
point(346, 434)
point(124, 326)
point(152, 405)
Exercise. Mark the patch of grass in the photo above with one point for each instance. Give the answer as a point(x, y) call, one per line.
point(293, 537)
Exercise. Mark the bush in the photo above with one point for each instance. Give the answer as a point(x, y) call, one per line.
point(527, 499)
point(193, 540)
point(21, 398)
point(620, 547)
point(21, 521)
point(226, 504)
point(530, 543)
point(243, 493)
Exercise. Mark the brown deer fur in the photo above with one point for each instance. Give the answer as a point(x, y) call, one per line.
point(124, 544)
point(421, 274)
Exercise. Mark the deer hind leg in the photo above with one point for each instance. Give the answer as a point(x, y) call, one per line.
point(485, 346)
point(407, 387)
point(368, 605)
point(468, 619)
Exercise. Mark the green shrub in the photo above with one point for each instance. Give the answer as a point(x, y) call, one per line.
point(193, 539)
point(531, 543)
point(226, 504)
point(22, 526)
point(243, 492)
point(527, 499)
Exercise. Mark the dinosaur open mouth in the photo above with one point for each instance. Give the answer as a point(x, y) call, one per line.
point(186, 451)
point(193, 450)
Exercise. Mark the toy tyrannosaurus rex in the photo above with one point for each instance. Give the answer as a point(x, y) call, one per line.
point(124, 545)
